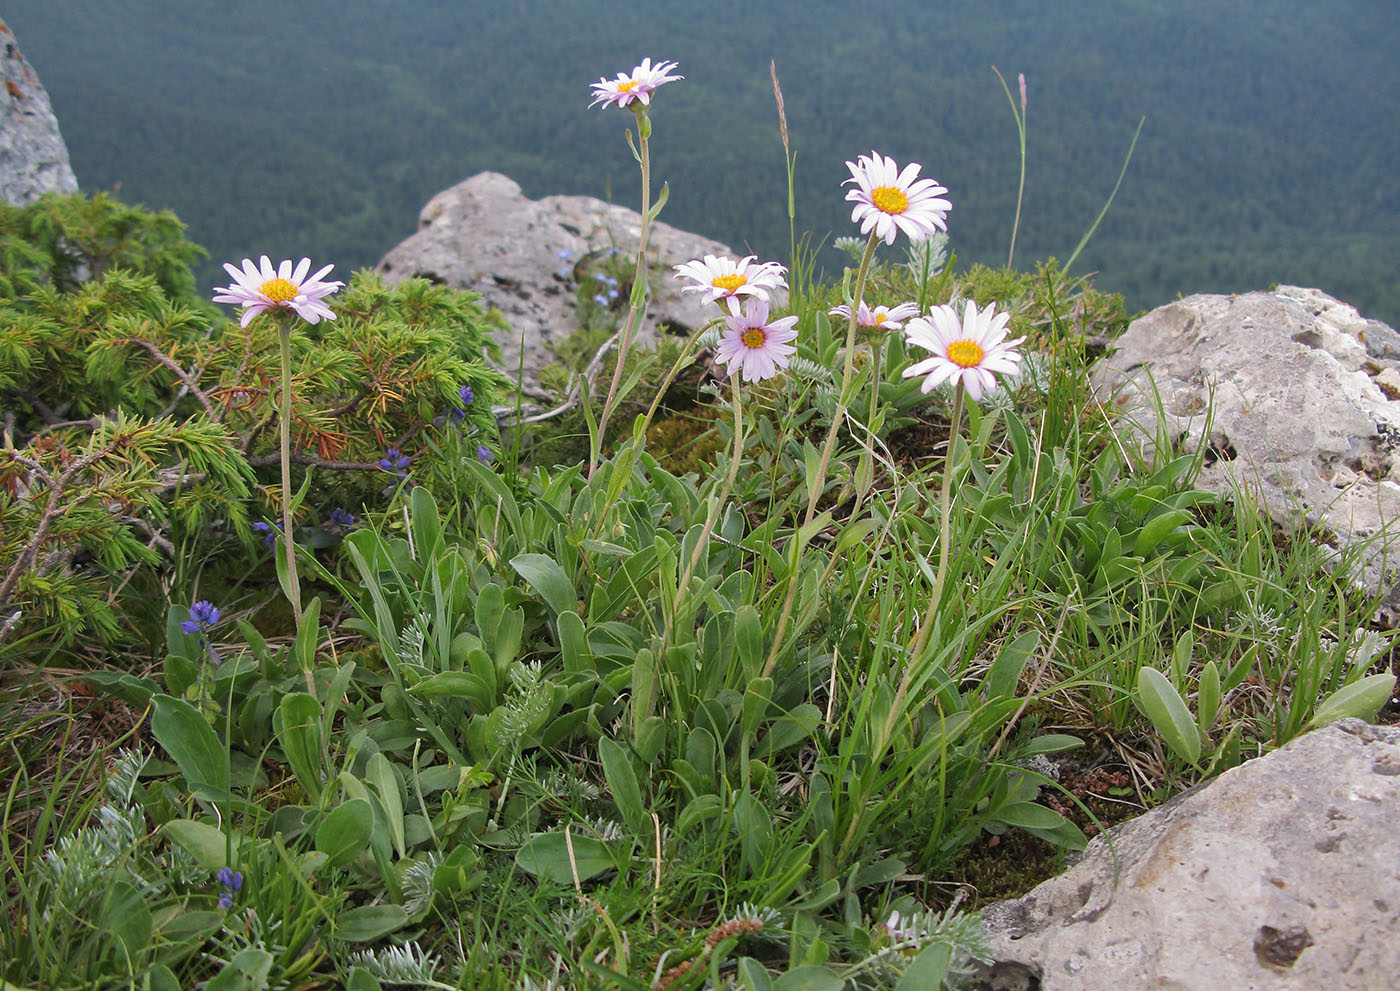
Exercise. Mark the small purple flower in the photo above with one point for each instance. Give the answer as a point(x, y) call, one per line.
point(600, 299)
point(230, 881)
point(484, 453)
point(394, 461)
point(612, 294)
point(466, 395)
point(341, 518)
point(611, 251)
point(268, 531)
point(563, 253)
point(564, 274)
point(203, 614)
point(602, 277)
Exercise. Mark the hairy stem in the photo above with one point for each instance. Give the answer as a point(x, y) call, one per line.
point(639, 283)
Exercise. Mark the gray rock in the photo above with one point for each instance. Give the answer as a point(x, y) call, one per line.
point(33, 157)
point(1283, 873)
point(484, 235)
point(1305, 415)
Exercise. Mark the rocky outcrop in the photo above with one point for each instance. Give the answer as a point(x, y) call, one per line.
point(1296, 398)
point(526, 258)
point(1283, 873)
point(33, 157)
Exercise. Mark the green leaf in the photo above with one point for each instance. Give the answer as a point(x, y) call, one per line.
point(622, 783)
point(1207, 696)
point(126, 916)
point(369, 922)
point(753, 976)
point(547, 856)
point(1359, 700)
point(186, 735)
point(248, 971)
point(360, 979)
point(1157, 528)
point(748, 639)
point(1028, 815)
point(456, 684)
point(380, 775)
point(308, 636)
point(207, 844)
point(1051, 743)
point(425, 525)
point(1005, 673)
point(1163, 705)
point(809, 978)
point(928, 970)
point(344, 833)
point(549, 580)
point(298, 728)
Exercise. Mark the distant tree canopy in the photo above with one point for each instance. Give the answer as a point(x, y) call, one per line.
point(321, 129)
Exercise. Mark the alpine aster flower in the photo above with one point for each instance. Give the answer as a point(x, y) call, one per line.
point(754, 347)
point(260, 287)
point(203, 614)
point(968, 351)
point(638, 85)
point(890, 201)
point(723, 278)
point(880, 318)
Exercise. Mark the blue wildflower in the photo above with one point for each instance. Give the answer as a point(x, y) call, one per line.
point(268, 531)
point(563, 253)
point(612, 294)
point(564, 274)
point(466, 395)
point(484, 453)
point(600, 299)
point(394, 461)
point(340, 517)
point(230, 881)
point(203, 614)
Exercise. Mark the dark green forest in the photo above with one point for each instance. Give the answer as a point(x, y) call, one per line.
point(1268, 155)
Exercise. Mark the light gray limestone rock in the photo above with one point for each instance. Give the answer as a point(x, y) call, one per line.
point(1304, 395)
point(33, 157)
point(1283, 873)
point(484, 235)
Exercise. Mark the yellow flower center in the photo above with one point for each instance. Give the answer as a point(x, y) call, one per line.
point(279, 290)
point(729, 282)
point(889, 199)
point(966, 354)
point(881, 318)
point(754, 337)
point(628, 86)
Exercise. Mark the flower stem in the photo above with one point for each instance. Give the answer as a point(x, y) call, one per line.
point(816, 487)
point(639, 283)
point(284, 331)
point(845, 398)
point(713, 515)
point(944, 533)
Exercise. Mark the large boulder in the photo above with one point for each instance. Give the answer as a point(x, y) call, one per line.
point(1293, 394)
point(1283, 873)
point(33, 157)
point(484, 235)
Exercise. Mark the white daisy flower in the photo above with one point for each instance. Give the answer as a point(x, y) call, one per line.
point(723, 278)
point(888, 200)
point(970, 351)
point(260, 287)
point(639, 84)
point(752, 346)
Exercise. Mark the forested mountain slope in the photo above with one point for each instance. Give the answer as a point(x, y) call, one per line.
point(1269, 152)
